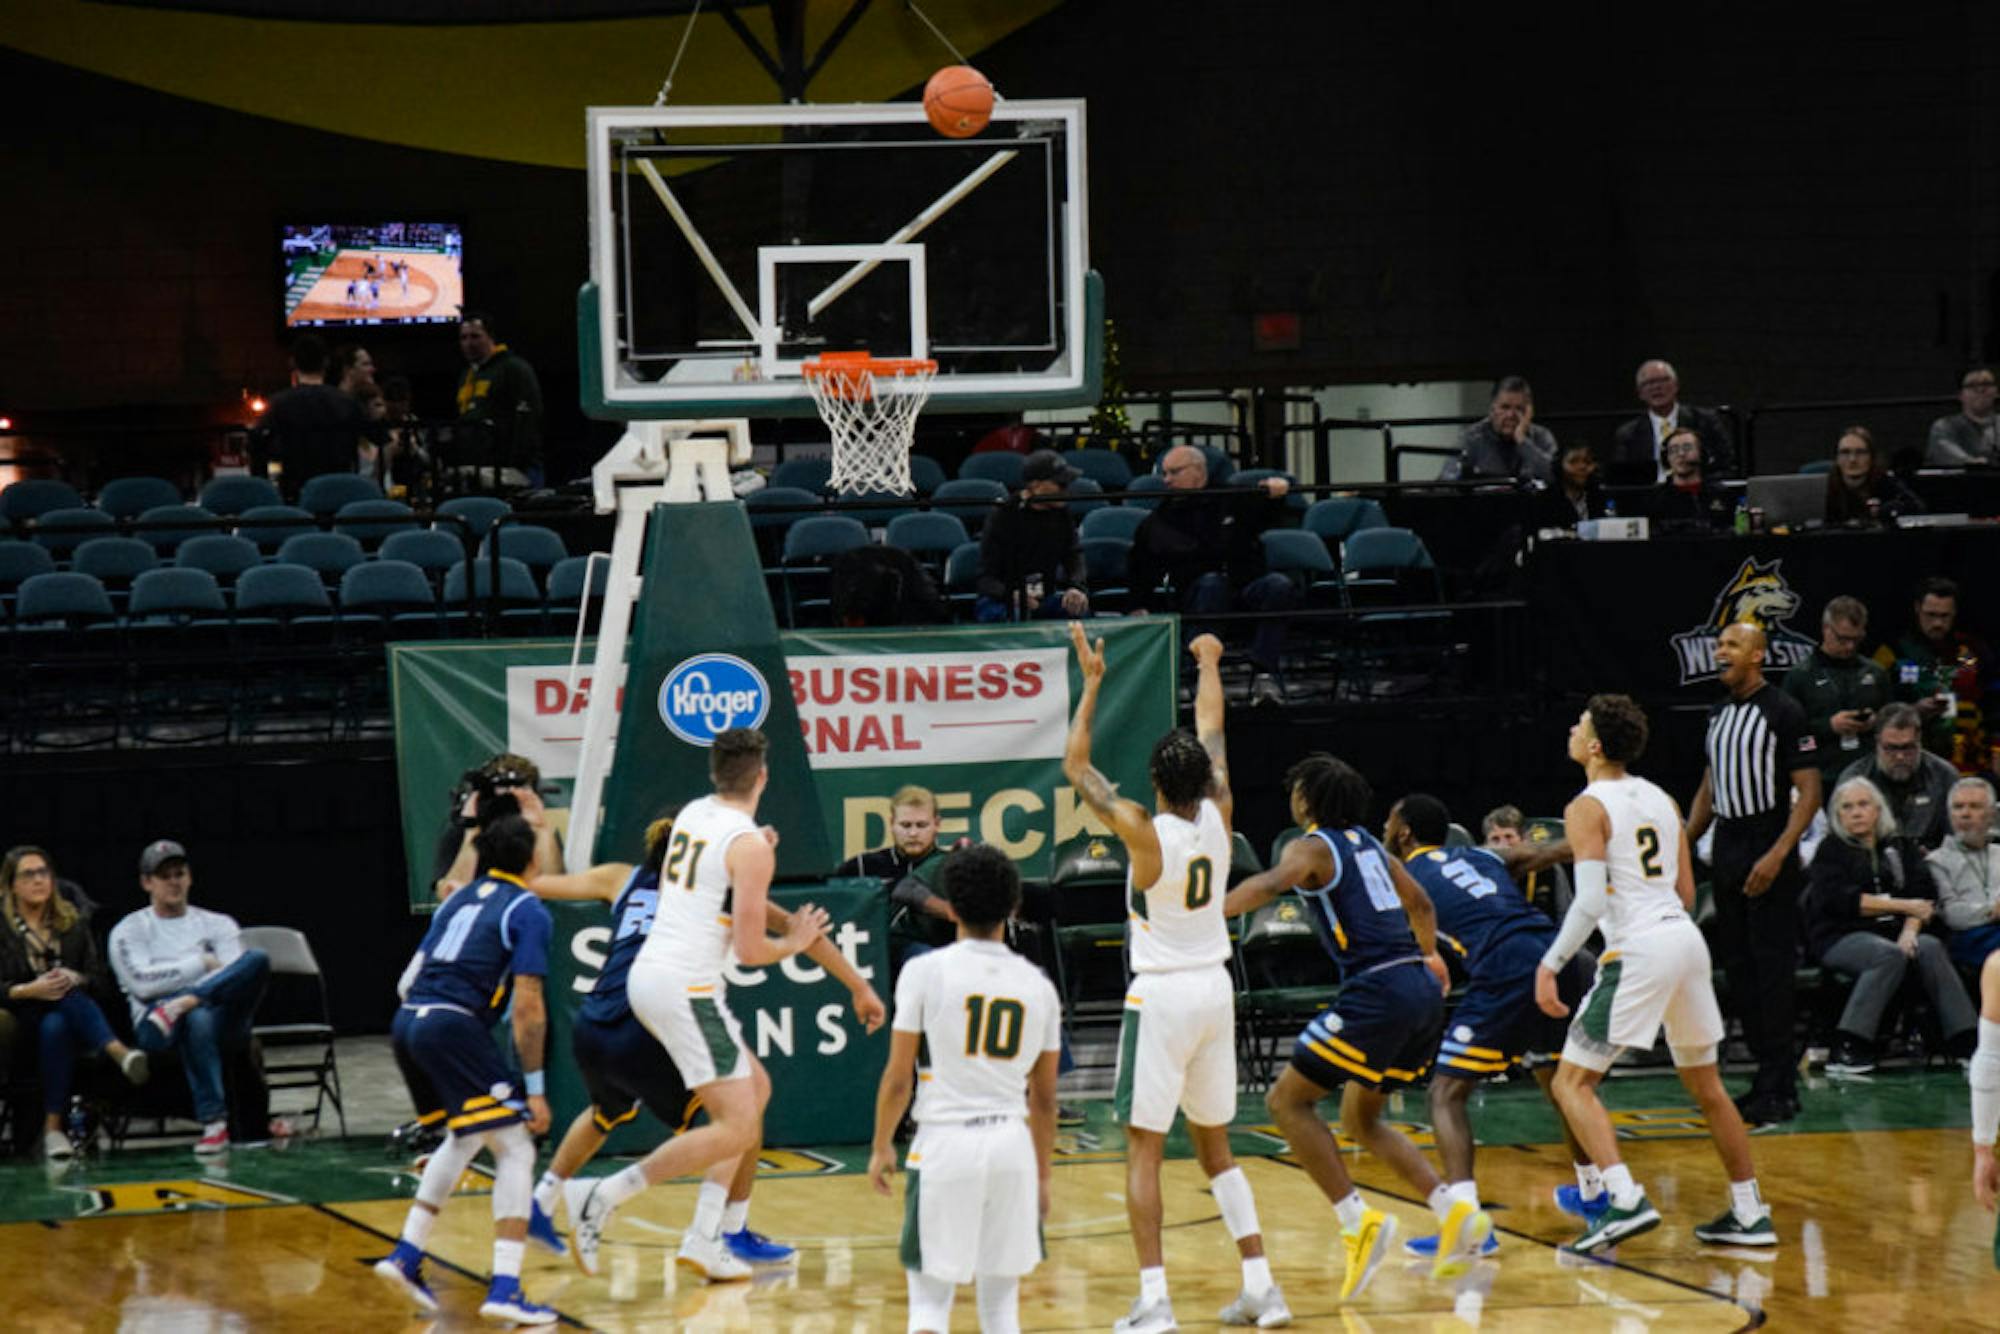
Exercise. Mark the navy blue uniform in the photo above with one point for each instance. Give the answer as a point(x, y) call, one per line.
point(1503, 938)
point(1384, 1025)
point(622, 1064)
point(481, 939)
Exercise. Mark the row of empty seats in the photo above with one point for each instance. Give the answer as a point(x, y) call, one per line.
point(1106, 469)
point(130, 498)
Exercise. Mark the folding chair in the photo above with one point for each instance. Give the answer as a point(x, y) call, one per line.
point(311, 1033)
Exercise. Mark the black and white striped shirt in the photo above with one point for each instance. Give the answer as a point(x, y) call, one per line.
point(1753, 746)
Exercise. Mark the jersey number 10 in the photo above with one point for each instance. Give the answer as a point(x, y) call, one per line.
point(993, 1028)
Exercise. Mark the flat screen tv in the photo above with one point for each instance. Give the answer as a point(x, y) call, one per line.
point(371, 274)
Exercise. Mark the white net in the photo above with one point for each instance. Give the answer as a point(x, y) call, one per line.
point(871, 410)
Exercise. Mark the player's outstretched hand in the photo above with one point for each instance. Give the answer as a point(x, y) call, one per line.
point(881, 1166)
point(1090, 661)
point(1985, 1176)
point(808, 925)
point(538, 1114)
point(868, 1008)
point(1207, 650)
point(1545, 993)
point(532, 809)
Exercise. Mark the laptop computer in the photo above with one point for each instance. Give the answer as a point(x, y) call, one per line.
point(1789, 500)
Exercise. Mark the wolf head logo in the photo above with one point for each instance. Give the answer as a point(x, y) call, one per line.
point(1758, 595)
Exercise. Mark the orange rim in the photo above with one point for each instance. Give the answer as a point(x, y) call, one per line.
point(843, 370)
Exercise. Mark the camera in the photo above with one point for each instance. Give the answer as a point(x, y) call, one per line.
point(491, 787)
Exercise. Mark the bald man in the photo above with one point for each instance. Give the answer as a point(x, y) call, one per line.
point(1638, 450)
point(1205, 546)
point(1760, 790)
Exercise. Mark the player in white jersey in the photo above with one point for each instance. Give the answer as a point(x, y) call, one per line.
point(1635, 882)
point(714, 883)
point(1177, 1049)
point(1984, 1076)
point(978, 1034)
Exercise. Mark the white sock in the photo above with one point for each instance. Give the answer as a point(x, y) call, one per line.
point(547, 1191)
point(1440, 1200)
point(1624, 1190)
point(1466, 1192)
point(1746, 1201)
point(1350, 1211)
point(708, 1205)
point(621, 1186)
point(735, 1216)
point(1153, 1284)
point(507, 1259)
point(1589, 1181)
point(1256, 1276)
point(1984, 1076)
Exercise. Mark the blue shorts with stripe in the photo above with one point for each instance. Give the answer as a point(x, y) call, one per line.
point(624, 1067)
point(1380, 1031)
point(1496, 1021)
point(454, 1070)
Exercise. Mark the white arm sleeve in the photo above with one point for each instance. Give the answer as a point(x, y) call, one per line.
point(1581, 919)
point(1985, 1079)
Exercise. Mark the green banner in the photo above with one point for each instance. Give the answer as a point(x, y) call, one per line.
point(976, 714)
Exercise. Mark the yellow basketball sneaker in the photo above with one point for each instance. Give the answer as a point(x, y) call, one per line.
point(1366, 1243)
point(1466, 1229)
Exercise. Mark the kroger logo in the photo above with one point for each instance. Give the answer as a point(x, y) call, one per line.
point(710, 694)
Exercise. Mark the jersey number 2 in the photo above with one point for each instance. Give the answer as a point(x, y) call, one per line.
point(1648, 839)
point(993, 1028)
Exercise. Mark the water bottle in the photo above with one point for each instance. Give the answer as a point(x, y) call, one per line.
point(1742, 516)
point(78, 1125)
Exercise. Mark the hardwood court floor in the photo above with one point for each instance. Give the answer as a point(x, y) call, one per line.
point(1879, 1230)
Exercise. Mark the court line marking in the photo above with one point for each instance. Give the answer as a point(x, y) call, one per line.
point(479, 1280)
point(1755, 1315)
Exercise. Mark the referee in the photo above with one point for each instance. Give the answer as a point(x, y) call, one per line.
point(1760, 757)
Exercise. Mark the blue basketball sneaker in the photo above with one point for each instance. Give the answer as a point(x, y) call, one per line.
point(1570, 1200)
point(506, 1301)
point(404, 1268)
point(754, 1248)
point(542, 1231)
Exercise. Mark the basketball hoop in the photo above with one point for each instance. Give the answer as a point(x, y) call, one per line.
point(870, 404)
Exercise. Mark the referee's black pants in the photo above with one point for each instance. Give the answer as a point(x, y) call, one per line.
point(1759, 941)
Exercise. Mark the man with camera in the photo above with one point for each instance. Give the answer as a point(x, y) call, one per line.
point(507, 784)
point(1839, 689)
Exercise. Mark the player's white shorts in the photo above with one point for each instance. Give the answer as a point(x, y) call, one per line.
point(1659, 977)
point(692, 1021)
point(970, 1202)
point(1177, 1049)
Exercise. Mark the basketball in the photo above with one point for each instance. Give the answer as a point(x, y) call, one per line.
point(958, 99)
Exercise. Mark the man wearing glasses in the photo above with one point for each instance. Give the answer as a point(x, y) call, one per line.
point(1839, 689)
point(1967, 436)
point(1916, 784)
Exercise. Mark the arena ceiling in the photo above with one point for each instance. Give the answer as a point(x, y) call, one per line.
point(513, 82)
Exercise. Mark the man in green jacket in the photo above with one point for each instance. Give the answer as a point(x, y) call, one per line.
point(1839, 689)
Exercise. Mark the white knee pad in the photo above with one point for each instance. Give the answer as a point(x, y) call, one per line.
point(1239, 1207)
point(513, 1170)
point(999, 1303)
point(447, 1165)
point(930, 1302)
point(1688, 1058)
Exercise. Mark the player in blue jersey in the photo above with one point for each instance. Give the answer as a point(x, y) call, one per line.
point(486, 941)
point(1502, 937)
point(1376, 923)
point(624, 1066)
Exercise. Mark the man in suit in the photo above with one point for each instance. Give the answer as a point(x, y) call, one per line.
point(1638, 453)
